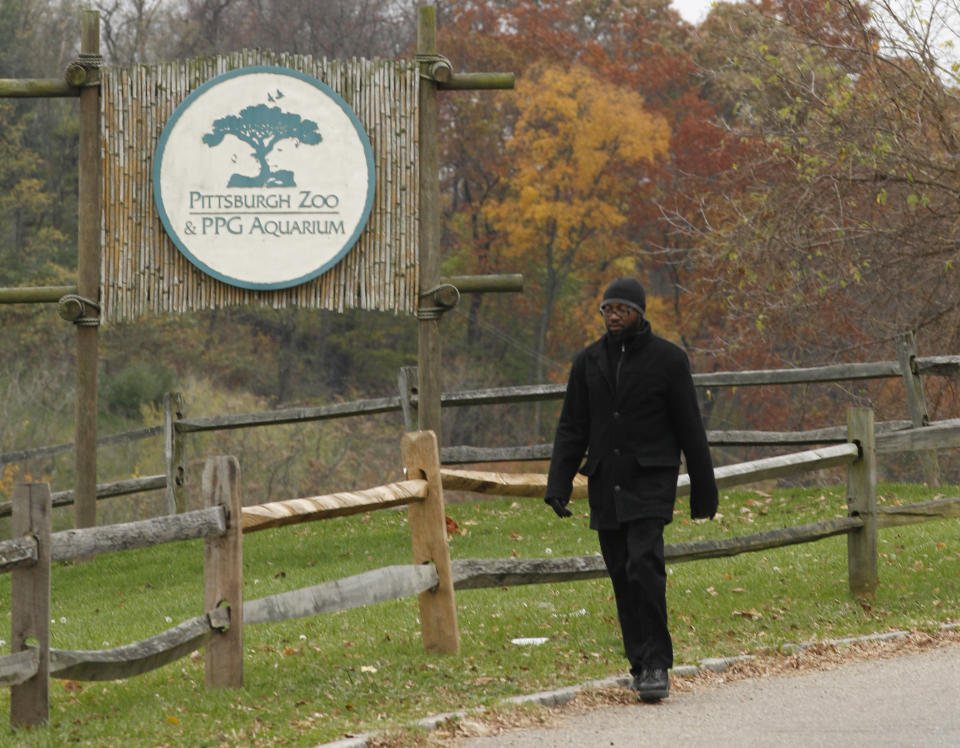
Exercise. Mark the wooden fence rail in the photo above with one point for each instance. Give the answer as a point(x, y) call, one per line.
point(938, 435)
point(17, 553)
point(70, 545)
point(104, 491)
point(505, 572)
point(288, 415)
point(534, 484)
point(33, 453)
point(948, 366)
point(908, 365)
point(294, 511)
point(921, 511)
point(379, 585)
point(140, 657)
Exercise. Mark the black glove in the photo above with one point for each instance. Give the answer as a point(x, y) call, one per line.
point(704, 503)
point(559, 506)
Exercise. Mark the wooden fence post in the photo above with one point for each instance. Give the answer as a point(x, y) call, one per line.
point(917, 402)
point(862, 503)
point(173, 453)
point(223, 573)
point(30, 605)
point(428, 535)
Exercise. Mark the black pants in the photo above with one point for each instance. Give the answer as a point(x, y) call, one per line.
point(633, 554)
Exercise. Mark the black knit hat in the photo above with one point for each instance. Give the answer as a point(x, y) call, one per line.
point(626, 290)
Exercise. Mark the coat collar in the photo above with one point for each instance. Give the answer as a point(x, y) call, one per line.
point(635, 342)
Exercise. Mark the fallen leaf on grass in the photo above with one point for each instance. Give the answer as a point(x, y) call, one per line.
point(752, 614)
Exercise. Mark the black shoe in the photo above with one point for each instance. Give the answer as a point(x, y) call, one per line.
point(651, 685)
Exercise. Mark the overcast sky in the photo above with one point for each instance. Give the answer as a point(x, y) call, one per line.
point(693, 11)
point(939, 18)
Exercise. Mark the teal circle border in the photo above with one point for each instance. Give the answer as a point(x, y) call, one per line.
point(158, 164)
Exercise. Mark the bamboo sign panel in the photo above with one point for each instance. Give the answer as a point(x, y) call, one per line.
point(263, 177)
point(354, 244)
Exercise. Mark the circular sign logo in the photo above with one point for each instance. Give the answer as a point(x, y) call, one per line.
point(263, 177)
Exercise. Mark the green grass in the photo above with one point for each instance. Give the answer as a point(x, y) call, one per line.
point(317, 679)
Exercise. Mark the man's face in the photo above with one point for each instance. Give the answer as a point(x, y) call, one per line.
point(619, 317)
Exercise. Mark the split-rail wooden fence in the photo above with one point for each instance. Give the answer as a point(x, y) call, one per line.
point(433, 576)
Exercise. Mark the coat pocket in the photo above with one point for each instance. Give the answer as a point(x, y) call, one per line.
point(655, 482)
point(589, 467)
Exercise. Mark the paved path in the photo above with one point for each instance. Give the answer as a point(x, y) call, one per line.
point(910, 700)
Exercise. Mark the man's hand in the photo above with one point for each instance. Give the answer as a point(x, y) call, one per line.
point(558, 506)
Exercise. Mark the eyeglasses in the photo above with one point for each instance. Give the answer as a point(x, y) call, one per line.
point(617, 310)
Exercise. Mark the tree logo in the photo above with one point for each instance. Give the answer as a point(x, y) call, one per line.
point(263, 177)
point(262, 127)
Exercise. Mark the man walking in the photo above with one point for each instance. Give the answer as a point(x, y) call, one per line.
point(631, 407)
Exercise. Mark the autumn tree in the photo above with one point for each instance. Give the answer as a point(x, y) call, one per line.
point(833, 229)
point(848, 197)
point(641, 46)
point(579, 153)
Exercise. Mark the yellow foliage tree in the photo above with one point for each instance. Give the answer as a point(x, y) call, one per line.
point(577, 162)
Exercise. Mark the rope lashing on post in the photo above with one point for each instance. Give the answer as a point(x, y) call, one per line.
point(79, 310)
point(437, 300)
point(435, 67)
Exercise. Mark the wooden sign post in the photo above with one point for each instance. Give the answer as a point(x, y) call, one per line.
point(429, 313)
point(436, 296)
point(88, 277)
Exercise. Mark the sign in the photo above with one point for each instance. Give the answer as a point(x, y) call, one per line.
point(263, 177)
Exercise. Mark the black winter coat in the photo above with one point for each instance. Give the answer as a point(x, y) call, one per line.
point(632, 421)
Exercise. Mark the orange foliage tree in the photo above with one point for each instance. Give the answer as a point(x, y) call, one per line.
point(579, 157)
point(637, 48)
